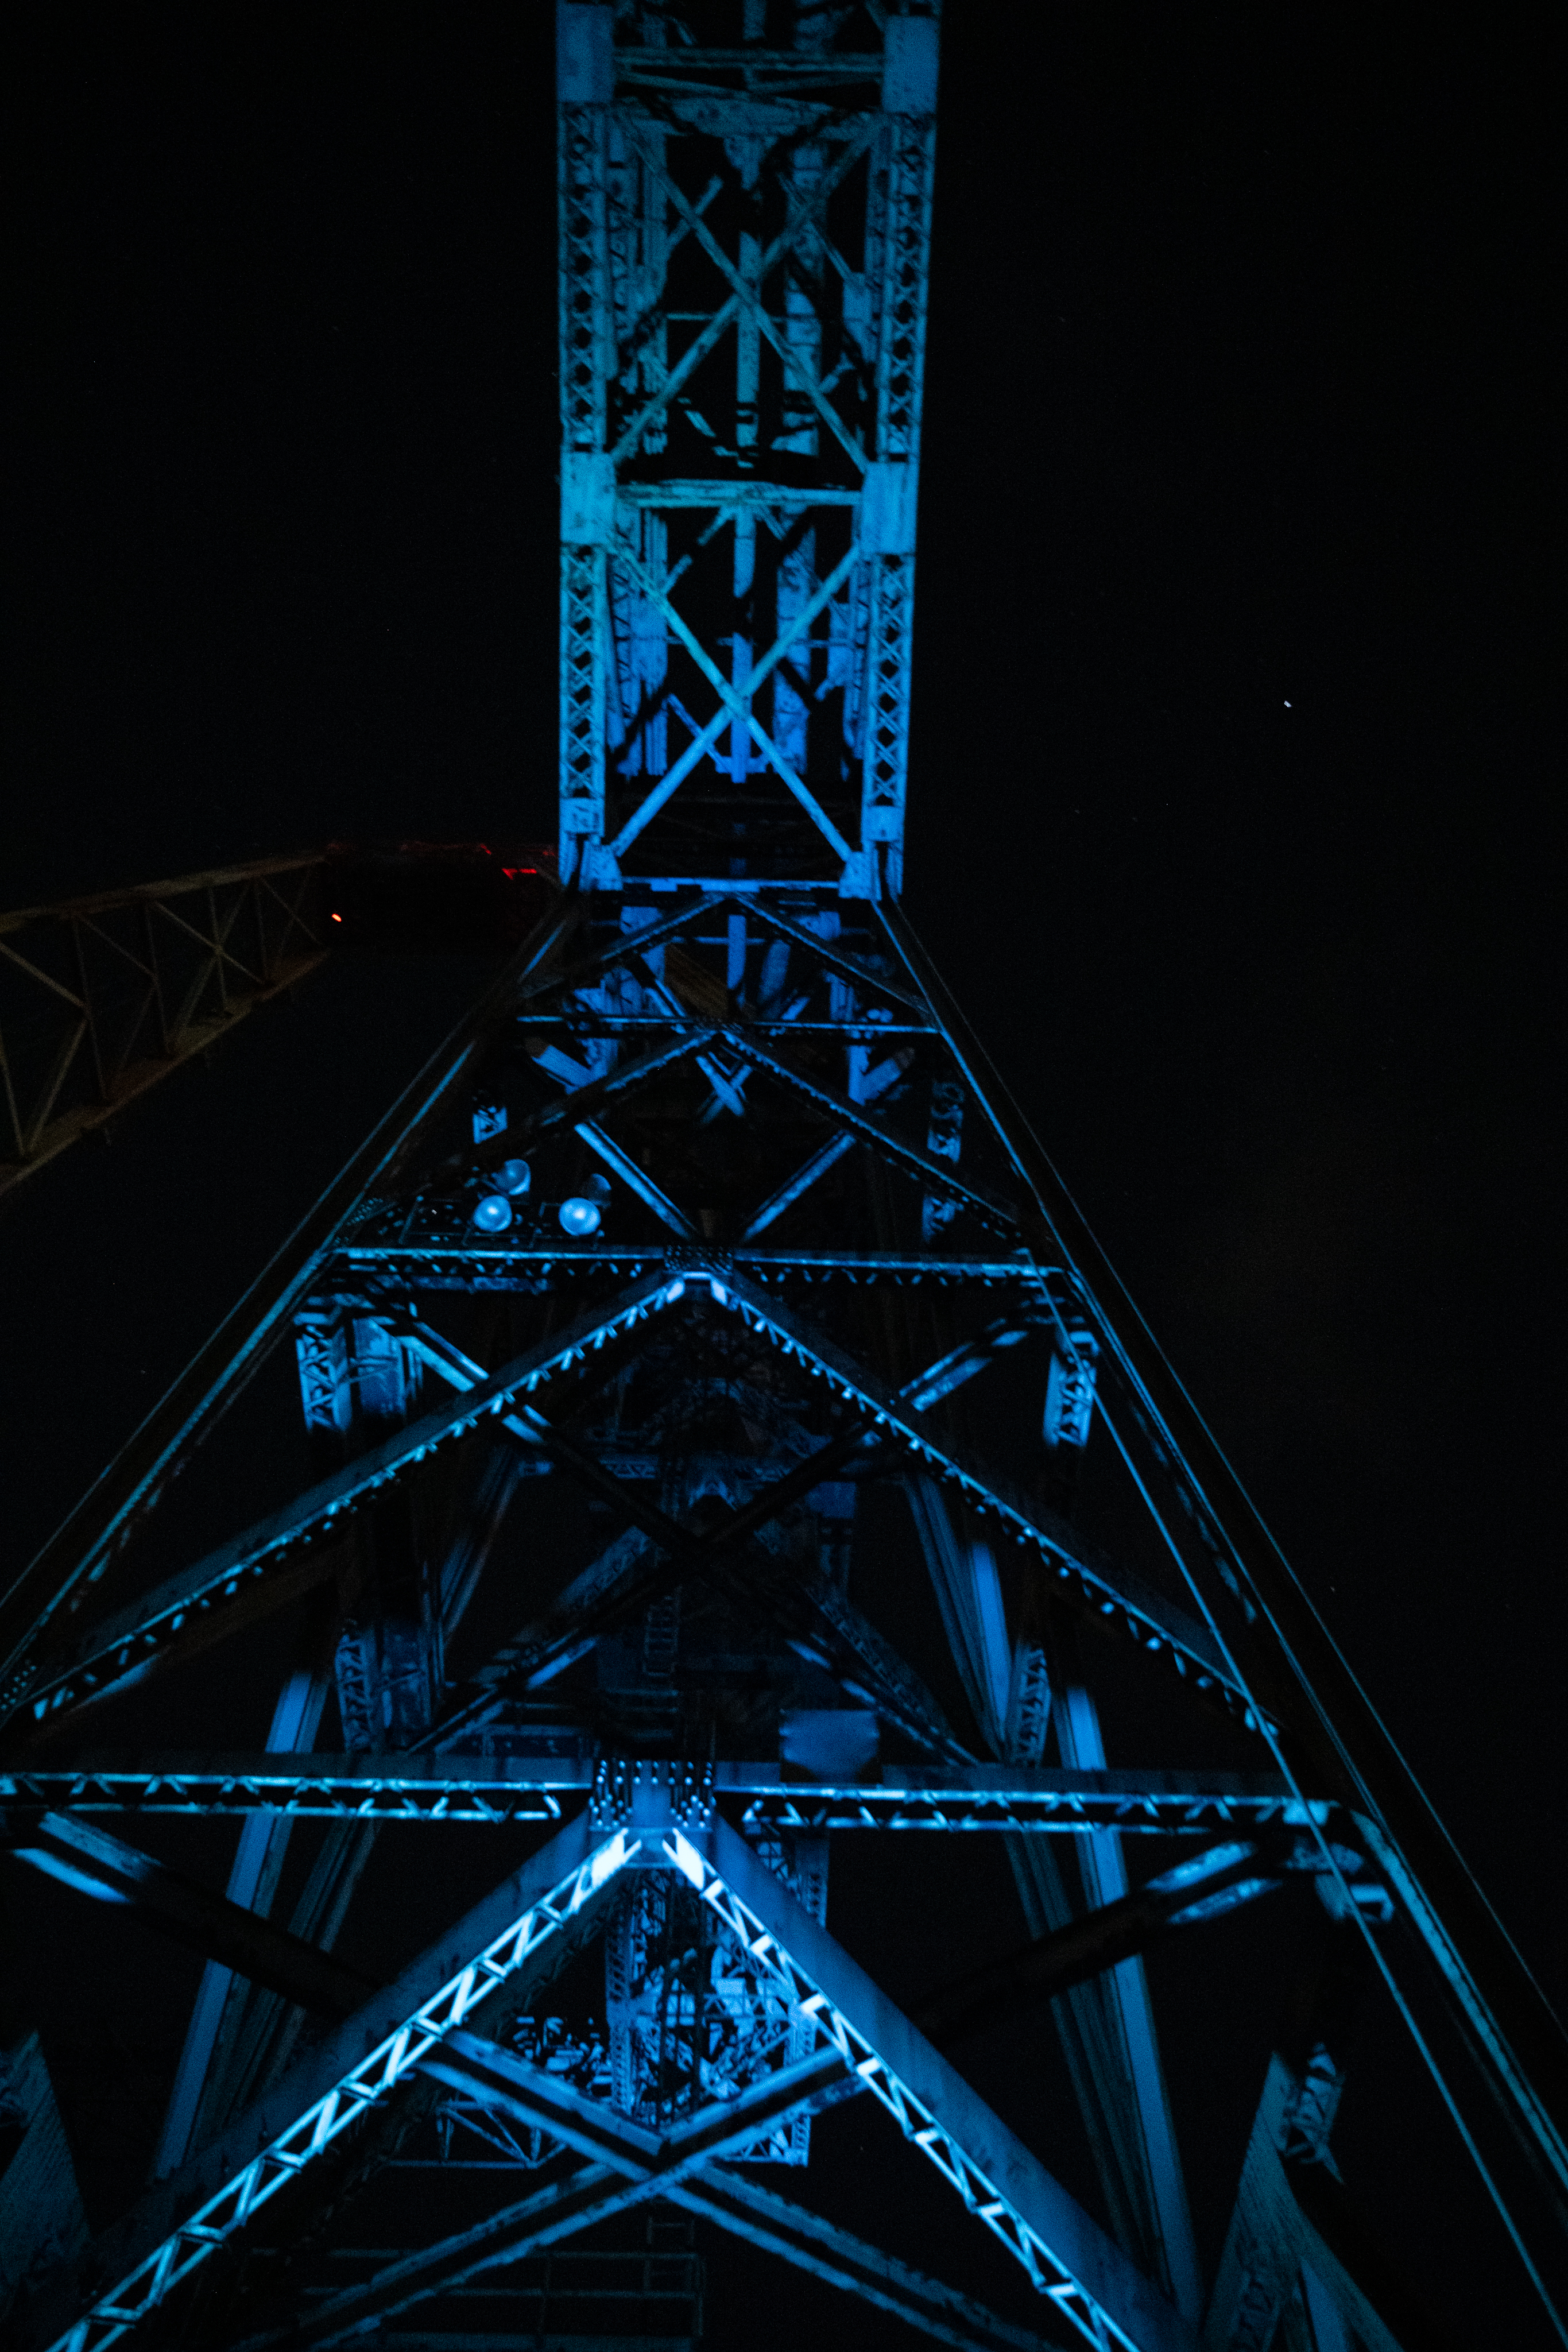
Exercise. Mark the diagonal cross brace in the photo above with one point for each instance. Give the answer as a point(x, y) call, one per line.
point(813, 1615)
point(1153, 1622)
point(83, 1550)
point(198, 1607)
point(703, 743)
point(501, 1943)
point(801, 217)
point(264, 1565)
point(1066, 2256)
point(81, 1855)
point(195, 1607)
point(838, 1107)
point(577, 2200)
point(719, 2194)
point(818, 1612)
point(805, 1176)
point(584, 1100)
point(100, 1865)
point(749, 298)
point(625, 2166)
point(1207, 1886)
point(621, 950)
point(683, 2167)
point(738, 703)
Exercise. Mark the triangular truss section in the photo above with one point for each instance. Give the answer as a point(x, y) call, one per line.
point(732, 1206)
point(724, 1438)
point(594, 2159)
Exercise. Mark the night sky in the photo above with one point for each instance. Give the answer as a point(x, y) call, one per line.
point(1229, 792)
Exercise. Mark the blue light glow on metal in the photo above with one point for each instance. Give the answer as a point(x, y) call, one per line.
point(767, 1242)
point(1227, 1899)
point(449, 1789)
point(743, 253)
point(1202, 1866)
point(396, 2056)
point(1062, 2251)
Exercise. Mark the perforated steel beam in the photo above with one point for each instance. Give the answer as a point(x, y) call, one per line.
point(499, 1945)
point(1087, 2277)
point(487, 1790)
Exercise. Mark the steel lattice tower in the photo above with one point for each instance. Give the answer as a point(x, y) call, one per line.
point(704, 1314)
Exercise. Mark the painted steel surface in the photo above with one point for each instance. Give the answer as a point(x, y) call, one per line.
point(724, 1432)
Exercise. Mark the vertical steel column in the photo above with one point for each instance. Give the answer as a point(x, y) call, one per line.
point(888, 529)
point(1126, 1989)
point(585, 81)
point(252, 1882)
point(1106, 2025)
point(744, 241)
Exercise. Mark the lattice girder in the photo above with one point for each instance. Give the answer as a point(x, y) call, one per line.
point(744, 237)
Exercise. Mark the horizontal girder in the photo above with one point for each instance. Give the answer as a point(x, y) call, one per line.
point(492, 1788)
point(424, 2025)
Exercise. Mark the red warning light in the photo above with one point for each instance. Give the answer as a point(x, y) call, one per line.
point(337, 919)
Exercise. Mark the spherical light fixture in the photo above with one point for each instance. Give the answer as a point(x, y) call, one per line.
point(494, 1214)
point(579, 1215)
point(513, 1177)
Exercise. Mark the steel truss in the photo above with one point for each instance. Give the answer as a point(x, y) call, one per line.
point(103, 997)
point(711, 1396)
point(491, 1789)
point(744, 235)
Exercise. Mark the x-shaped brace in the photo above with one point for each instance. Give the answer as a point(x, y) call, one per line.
point(624, 2165)
point(749, 300)
point(736, 705)
point(802, 217)
point(703, 743)
point(832, 1629)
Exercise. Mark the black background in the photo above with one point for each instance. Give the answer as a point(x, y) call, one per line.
point(1229, 812)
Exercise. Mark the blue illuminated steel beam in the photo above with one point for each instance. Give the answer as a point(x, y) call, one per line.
point(283, 1551)
point(1079, 2273)
point(451, 1788)
point(1515, 2052)
point(625, 2166)
point(713, 1291)
point(1106, 2026)
point(253, 1880)
point(739, 480)
point(279, 1550)
point(1274, 2252)
point(213, 2197)
point(85, 1857)
point(418, 2026)
point(1067, 2258)
point(83, 1550)
point(828, 1242)
point(687, 2174)
point(725, 2195)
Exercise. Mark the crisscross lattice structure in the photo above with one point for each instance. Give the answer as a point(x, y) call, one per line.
point(744, 237)
point(724, 1441)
